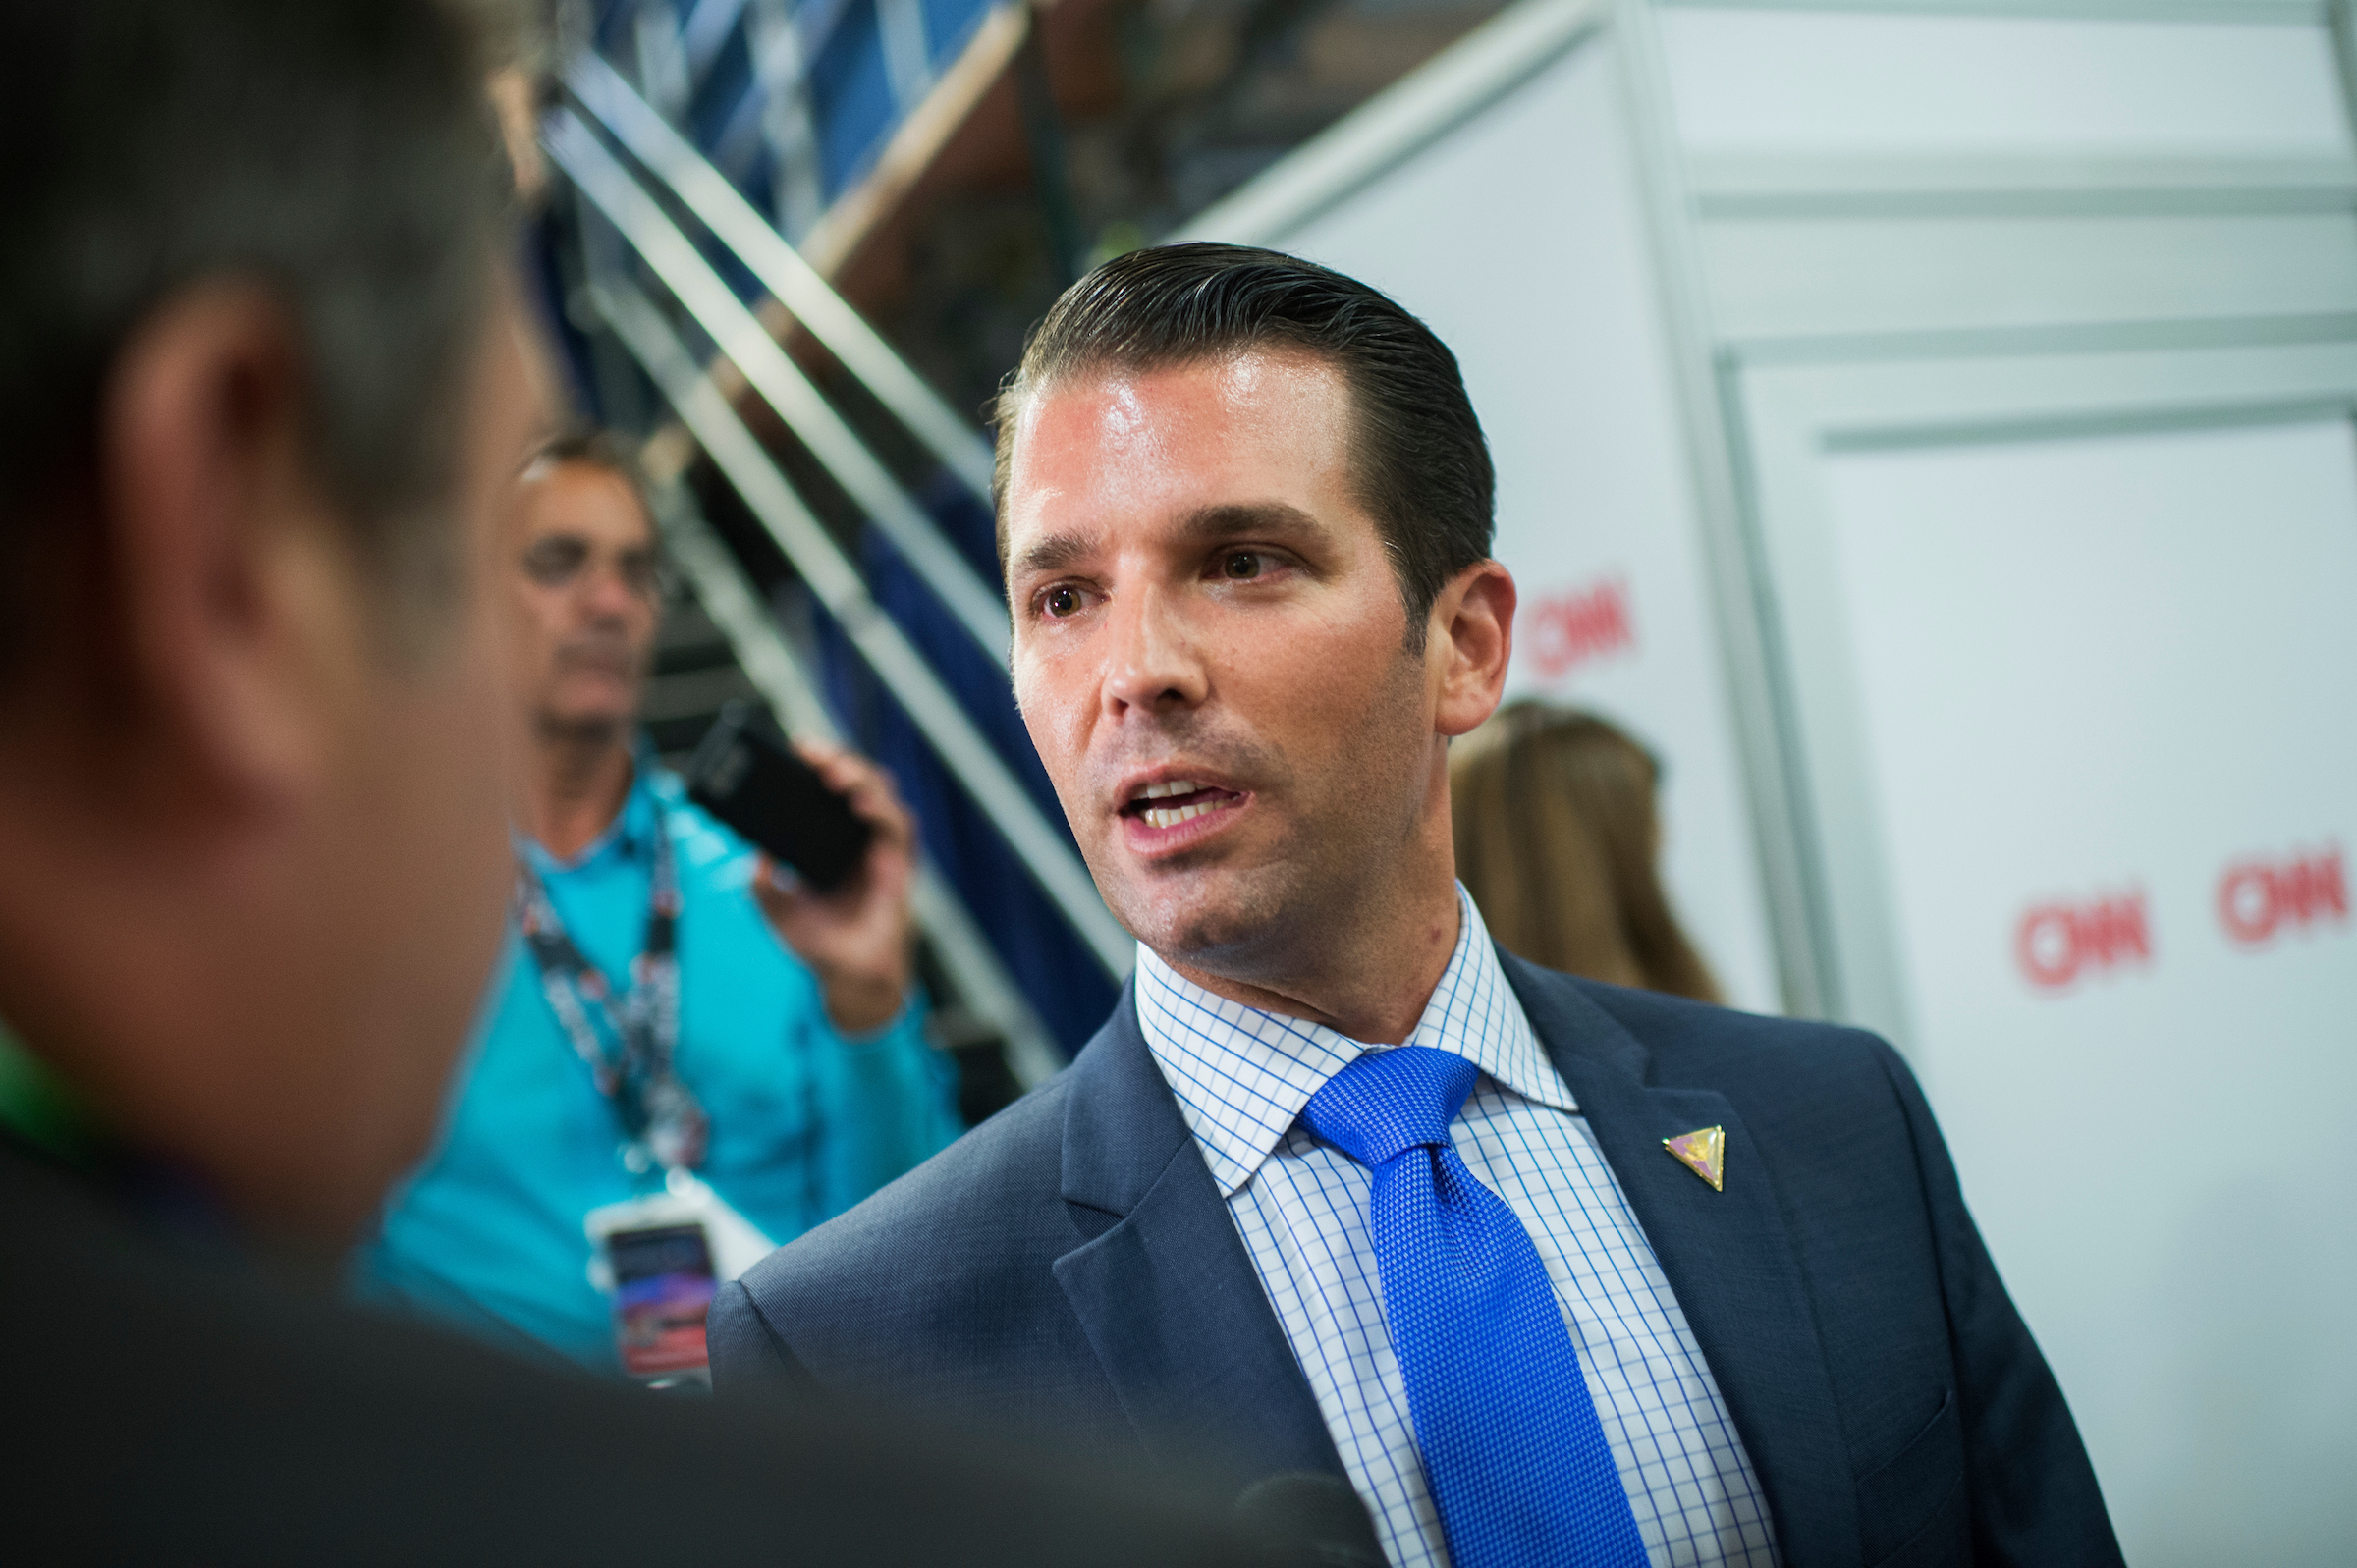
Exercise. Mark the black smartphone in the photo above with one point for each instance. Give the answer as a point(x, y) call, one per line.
point(753, 782)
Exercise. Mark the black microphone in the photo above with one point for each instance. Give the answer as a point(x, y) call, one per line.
point(1314, 1517)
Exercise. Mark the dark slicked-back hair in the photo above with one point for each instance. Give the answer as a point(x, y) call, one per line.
point(336, 151)
point(1418, 460)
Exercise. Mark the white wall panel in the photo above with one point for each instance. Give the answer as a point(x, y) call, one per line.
point(1841, 81)
point(2107, 673)
point(1775, 278)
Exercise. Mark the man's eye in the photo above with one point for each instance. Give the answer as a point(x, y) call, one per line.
point(642, 574)
point(1057, 603)
point(1239, 564)
point(553, 563)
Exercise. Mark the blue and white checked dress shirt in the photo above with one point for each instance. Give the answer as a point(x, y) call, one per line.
point(1241, 1077)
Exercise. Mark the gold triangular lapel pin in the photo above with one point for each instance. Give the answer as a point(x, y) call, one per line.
point(1703, 1151)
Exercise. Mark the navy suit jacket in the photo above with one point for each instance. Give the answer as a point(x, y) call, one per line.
point(1070, 1265)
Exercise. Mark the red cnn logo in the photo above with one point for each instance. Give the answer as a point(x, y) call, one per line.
point(1571, 628)
point(2056, 943)
point(2256, 898)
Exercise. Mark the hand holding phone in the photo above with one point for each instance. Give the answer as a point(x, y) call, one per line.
point(777, 800)
point(852, 926)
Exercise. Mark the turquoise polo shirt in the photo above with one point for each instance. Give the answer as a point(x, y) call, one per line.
point(804, 1122)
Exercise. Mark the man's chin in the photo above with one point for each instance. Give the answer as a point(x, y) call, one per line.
point(1218, 920)
point(599, 720)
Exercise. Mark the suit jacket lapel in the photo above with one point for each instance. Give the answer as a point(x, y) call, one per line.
point(1167, 1293)
point(1728, 1257)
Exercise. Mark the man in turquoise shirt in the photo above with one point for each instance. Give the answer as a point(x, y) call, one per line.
point(799, 1039)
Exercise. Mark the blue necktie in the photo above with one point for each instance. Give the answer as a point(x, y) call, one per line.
point(1516, 1460)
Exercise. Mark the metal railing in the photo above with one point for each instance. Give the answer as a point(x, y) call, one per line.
point(719, 207)
point(770, 663)
point(650, 205)
point(841, 590)
point(673, 257)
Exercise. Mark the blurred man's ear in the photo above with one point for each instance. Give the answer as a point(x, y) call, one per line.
point(219, 565)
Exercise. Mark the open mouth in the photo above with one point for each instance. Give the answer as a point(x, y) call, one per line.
point(1177, 800)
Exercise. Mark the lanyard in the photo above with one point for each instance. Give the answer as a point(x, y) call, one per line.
point(661, 1120)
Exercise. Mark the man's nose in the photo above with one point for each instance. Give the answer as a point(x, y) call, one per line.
point(1152, 663)
point(608, 594)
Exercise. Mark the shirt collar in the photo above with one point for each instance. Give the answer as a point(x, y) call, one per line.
point(44, 1111)
point(1242, 1075)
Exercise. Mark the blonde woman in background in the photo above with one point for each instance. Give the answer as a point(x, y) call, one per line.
point(1559, 842)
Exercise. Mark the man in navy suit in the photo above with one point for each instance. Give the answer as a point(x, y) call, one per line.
point(1551, 1271)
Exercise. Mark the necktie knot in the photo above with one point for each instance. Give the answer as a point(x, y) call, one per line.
point(1389, 1101)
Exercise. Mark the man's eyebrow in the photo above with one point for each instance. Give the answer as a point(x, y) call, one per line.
point(1052, 553)
point(1201, 528)
point(1275, 519)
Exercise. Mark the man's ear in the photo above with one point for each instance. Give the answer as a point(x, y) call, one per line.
point(1471, 638)
point(217, 562)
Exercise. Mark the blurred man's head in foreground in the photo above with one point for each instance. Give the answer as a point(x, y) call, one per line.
point(262, 399)
point(583, 581)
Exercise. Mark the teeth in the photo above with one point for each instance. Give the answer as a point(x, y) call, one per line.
point(1177, 787)
point(1172, 816)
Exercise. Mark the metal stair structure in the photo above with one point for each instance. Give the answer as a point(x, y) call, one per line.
point(802, 480)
